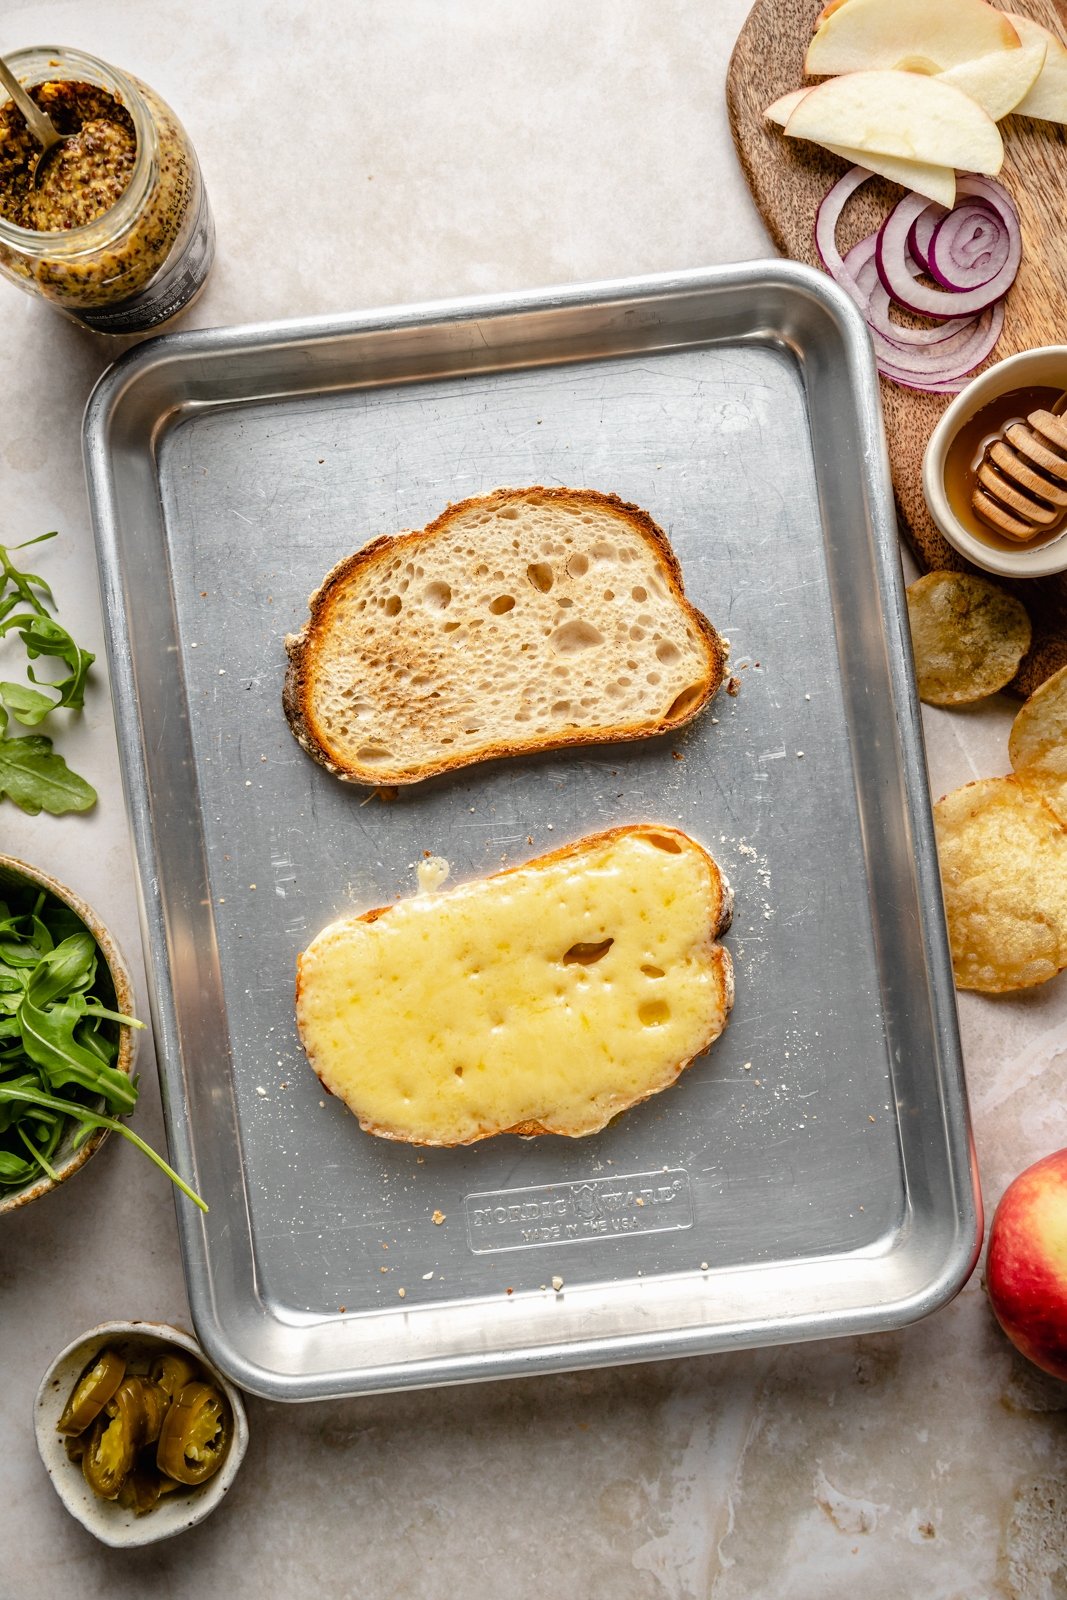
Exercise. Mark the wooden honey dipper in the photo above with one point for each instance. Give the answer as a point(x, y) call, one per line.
point(1021, 483)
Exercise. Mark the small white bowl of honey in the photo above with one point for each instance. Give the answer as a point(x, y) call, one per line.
point(1028, 486)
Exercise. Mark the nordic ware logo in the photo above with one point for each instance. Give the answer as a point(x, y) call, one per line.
point(575, 1213)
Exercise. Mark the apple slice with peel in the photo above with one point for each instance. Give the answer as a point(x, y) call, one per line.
point(937, 183)
point(917, 35)
point(1048, 97)
point(782, 109)
point(998, 82)
point(900, 114)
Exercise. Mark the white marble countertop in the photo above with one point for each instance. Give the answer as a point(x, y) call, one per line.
point(428, 150)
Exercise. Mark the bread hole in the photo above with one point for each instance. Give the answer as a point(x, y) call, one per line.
point(613, 691)
point(653, 972)
point(420, 680)
point(498, 577)
point(458, 1071)
point(446, 738)
point(587, 955)
point(667, 652)
point(639, 594)
point(472, 727)
point(438, 596)
point(564, 604)
point(637, 634)
point(631, 666)
point(602, 551)
point(654, 1013)
point(560, 708)
point(686, 702)
point(450, 627)
point(481, 571)
point(653, 678)
point(393, 605)
point(571, 638)
point(665, 841)
point(578, 566)
point(540, 575)
point(644, 620)
point(609, 594)
point(627, 554)
point(508, 513)
point(502, 603)
point(370, 753)
point(586, 704)
point(625, 682)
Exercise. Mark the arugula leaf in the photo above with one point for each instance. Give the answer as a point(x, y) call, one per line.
point(28, 706)
point(59, 1040)
point(91, 1120)
point(38, 780)
point(43, 636)
point(70, 965)
point(31, 774)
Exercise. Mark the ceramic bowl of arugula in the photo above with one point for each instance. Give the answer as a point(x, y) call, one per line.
point(67, 1034)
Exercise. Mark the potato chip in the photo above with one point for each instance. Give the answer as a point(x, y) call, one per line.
point(1037, 743)
point(968, 637)
point(1003, 856)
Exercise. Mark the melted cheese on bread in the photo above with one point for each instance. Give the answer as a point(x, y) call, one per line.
point(543, 999)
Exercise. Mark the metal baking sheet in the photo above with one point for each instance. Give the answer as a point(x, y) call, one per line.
point(812, 1174)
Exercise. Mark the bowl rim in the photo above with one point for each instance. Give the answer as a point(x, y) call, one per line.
point(1003, 375)
point(104, 1519)
point(15, 1199)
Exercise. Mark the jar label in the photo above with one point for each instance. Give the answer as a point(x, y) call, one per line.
point(168, 293)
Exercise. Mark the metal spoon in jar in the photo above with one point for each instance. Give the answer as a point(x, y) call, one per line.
point(39, 122)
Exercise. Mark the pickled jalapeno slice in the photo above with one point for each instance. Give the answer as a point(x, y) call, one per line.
point(156, 1403)
point(92, 1392)
point(110, 1451)
point(140, 1491)
point(196, 1434)
point(172, 1371)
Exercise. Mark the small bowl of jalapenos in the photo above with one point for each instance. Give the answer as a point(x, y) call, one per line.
point(139, 1433)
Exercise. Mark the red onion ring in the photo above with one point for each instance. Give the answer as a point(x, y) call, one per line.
point(968, 247)
point(926, 302)
point(984, 239)
point(922, 231)
point(875, 303)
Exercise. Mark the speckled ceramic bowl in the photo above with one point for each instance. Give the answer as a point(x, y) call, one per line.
point(67, 1161)
point(1030, 368)
point(106, 1519)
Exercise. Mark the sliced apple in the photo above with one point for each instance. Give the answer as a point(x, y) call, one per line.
point(1048, 97)
point(828, 11)
point(900, 114)
point(782, 109)
point(936, 183)
point(999, 82)
point(916, 35)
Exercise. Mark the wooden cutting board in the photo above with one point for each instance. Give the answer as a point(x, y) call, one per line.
point(788, 178)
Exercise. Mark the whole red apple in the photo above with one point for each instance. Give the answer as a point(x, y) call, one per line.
point(1026, 1264)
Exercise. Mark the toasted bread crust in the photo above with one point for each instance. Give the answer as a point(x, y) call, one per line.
point(298, 693)
point(719, 959)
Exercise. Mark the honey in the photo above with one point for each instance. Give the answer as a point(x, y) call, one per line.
point(964, 456)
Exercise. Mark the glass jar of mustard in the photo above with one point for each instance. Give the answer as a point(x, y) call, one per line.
point(118, 232)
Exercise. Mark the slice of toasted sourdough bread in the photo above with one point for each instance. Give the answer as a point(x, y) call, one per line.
point(528, 619)
point(544, 999)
